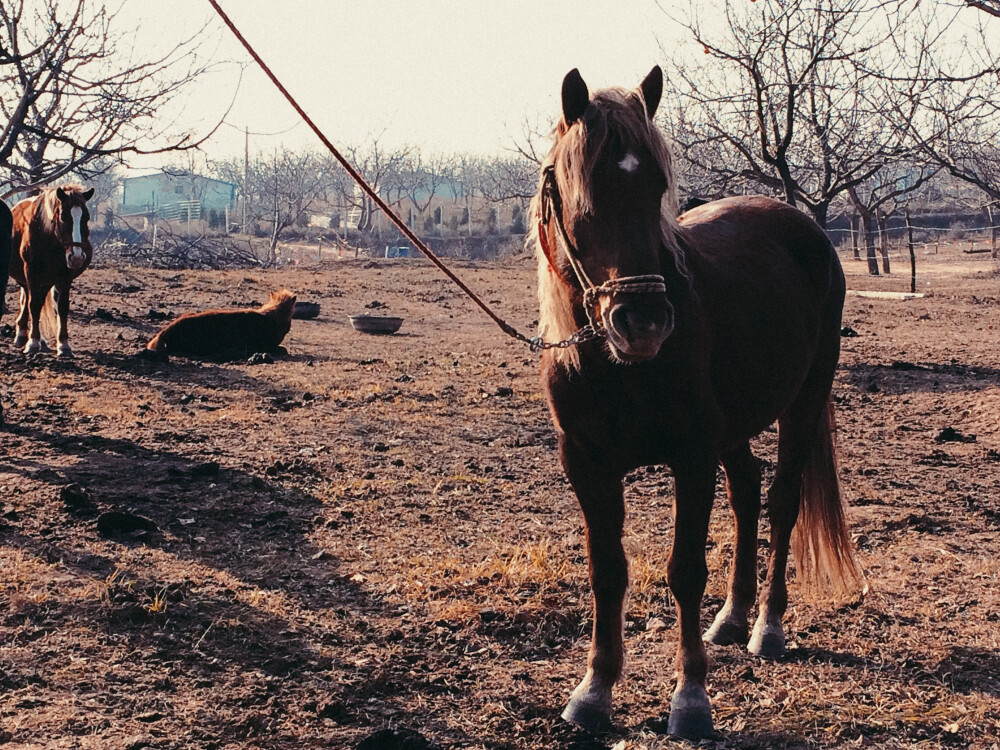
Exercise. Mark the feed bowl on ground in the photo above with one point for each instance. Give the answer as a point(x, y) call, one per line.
point(305, 310)
point(377, 324)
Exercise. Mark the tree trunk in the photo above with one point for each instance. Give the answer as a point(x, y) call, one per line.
point(856, 237)
point(788, 182)
point(820, 212)
point(868, 232)
point(993, 227)
point(272, 247)
point(913, 255)
point(883, 240)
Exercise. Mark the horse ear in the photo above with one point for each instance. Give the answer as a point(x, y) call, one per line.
point(652, 89)
point(88, 194)
point(575, 96)
point(60, 194)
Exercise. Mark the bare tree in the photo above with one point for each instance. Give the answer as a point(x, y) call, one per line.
point(512, 177)
point(74, 88)
point(781, 99)
point(987, 6)
point(879, 197)
point(421, 179)
point(280, 188)
point(955, 116)
point(381, 167)
point(959, 118)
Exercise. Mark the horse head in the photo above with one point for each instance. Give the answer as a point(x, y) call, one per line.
point(73, 224)
point(605, 209)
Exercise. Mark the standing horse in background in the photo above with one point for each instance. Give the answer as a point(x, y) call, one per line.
point(51, 247)
point(681, 341)
point(6, 228)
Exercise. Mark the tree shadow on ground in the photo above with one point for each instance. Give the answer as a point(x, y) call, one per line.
point(284, 623)
point(908, 377)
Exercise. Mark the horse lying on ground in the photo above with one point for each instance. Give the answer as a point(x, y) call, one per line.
point(225, 334)
point(50, 248)
point(684, 339)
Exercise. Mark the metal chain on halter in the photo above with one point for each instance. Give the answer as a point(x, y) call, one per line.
point(586, 333)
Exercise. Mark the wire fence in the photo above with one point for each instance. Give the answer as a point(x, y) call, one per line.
point(928, 240)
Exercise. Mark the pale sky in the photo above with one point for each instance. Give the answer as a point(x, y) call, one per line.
point(446, 76)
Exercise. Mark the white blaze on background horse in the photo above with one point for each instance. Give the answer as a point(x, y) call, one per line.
point(75, 257)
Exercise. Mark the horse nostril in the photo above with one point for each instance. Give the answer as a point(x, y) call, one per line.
point(620, 320)
point(641, 321)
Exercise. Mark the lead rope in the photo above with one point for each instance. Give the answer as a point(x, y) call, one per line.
point(535, 343)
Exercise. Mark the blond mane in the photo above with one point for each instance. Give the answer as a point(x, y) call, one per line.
point(48, 208)
point(575, 152)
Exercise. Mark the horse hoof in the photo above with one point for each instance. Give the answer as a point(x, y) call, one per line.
point(586, 715)
point(20, 340)
point(726, 633)
point(33, 346)
point(690, 715)
point(767, 644)
point(63, 350)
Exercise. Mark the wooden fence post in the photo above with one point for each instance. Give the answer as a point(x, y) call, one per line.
point(913, 256)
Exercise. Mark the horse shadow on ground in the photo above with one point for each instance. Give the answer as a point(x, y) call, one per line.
point(969, 670)
point(962, 670)
point(901, 377)
point(203, 627)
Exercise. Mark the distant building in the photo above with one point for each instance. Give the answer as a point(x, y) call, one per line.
point(177, 196)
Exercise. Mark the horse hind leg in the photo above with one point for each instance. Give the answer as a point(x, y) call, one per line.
point(783, 496)
point(806, 479)
point(60, 295)
point(731, 624)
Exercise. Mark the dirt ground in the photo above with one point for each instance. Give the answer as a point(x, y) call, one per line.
point(372, 533)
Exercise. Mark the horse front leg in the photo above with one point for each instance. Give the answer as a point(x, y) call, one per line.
point(36, 301)
point(21, 326)
point(599, 491)
point(687, 574)
point(61, 293)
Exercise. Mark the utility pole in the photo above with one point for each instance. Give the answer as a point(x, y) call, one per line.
point(246, 173)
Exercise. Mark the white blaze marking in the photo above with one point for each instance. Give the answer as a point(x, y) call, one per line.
point(629, 163)
point(77, 213)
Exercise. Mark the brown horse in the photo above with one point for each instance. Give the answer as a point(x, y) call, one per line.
point(51, 247)
point(221, 334)
point(682, 342)
point(6, 229)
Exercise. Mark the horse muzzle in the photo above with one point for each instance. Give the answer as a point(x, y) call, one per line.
point(637, 325)
point(75, 257)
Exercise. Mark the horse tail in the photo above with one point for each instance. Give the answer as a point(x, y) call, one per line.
point(821, 541)
point(49, 322)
